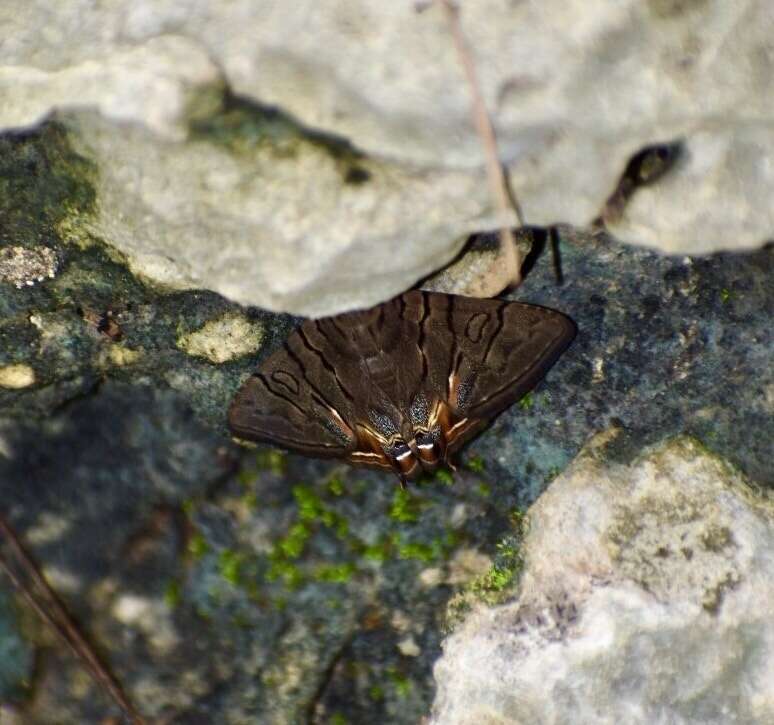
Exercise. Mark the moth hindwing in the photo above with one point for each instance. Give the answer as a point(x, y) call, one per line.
point(400, 386)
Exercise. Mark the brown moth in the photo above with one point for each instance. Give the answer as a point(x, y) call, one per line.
point(400, 386)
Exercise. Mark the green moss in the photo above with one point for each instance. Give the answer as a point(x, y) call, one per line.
point(312, 509)
point(189, 507)
point(403, 686)
point(230, 565)
point(376, 693)
point(484, 490)
point(336, 486)
point(445, 477)
point(286, 551)
point(292, 544)
point(246, 128)
point(341, 528)
point(378, 552)
point(247, 477)
point(527, 401)
point(286, 572)
point(173, 594)
point(552, 473)
point(436, 549)
point(404, 507)
point(316, 517)
point(518, 519)
point(338, 719)
point(337, 573)
point(475, 464)
point(421, 552)
point(271, 460)
point(494, 586)
point(43, 182)
point(280, 603)
point(198, 546)
point(501, 575)
point(310, 506)
point(495, 580)
point(725, 295)
point(250, 501)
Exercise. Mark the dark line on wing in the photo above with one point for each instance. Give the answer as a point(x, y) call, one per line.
point(422, 333)
point(302, 368)
point(401, 308)
point(530, 368)
point(341, 330)
point(321, 330)
point(380, 319)
point(265, 382)
point(493, 336)
point(320, 401)
point(326, 364)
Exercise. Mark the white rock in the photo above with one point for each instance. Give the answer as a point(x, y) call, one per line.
point(281, 230)
point(575, 87)
point(153, 82)
point(647, 597)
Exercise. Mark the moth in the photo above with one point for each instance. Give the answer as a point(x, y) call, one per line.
point(403, 385)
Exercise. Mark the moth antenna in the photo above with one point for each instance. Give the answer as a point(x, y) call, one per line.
point(556, 257)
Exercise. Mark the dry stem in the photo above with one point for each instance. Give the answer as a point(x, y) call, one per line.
point(57, 617)
point(495, 174)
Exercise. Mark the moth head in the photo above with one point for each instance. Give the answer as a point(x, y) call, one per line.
point(403, 459)
point(430, 448)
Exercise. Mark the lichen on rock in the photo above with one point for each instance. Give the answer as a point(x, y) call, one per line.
point(223, 339)
point(647, 593)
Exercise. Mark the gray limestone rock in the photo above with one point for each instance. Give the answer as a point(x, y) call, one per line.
point(647, 595)
point(199, 185)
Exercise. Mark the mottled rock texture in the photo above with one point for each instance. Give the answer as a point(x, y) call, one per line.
point(314, 144)
point(647, 595)
point(230, 587)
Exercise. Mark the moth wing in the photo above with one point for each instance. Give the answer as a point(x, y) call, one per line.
point(508, 347)
point(293, 400)
point(487, 354)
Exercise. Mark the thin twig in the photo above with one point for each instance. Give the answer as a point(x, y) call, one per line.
point(60, 620)
point(504, 199)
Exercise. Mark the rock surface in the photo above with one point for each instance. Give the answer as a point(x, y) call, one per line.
point(235, 587)
point(313, 144)
point(647, 596)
